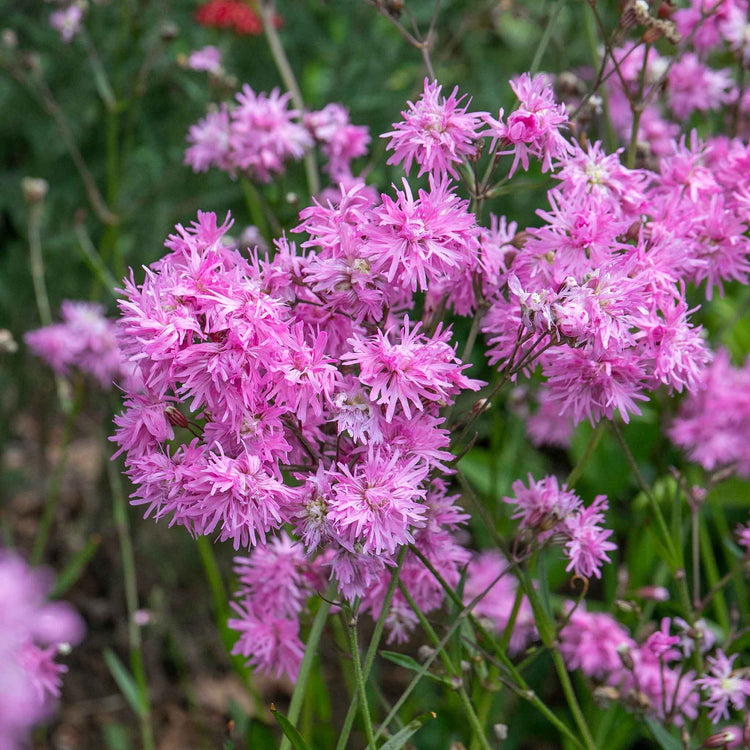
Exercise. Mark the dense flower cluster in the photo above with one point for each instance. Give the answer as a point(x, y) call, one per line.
point(291, 402)
point(276, 378)
point(550, 512)
point(713, 424)
point(33, 632)
point(654, 676)
point(85, 340)
point(259, 133)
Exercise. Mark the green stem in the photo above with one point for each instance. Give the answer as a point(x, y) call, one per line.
point(578, 469)
point(119, 507)
point(661, 523)
point(311, 651)
point(92, 257)
point(255, 209)
point(519, 685)
point(546, 36)
point(53, 494)
point(290, 82)
point(372, 649)
point(637, 110)
point(547, 631)
point(36, 260)
point(361, 689)
point(452, 670)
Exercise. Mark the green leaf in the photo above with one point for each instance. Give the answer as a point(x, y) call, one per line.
point(72, 571)
point(124, 680)
point(408, 663)
point(116, 737)
point(663, 737)
point(402, 736)
point(291, 733)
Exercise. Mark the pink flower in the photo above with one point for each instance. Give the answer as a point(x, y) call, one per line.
point(743, 537)
point(724, 687)
point(534, 128)
point(544, 505)
point(209, 141)
point(85, 340)
point(436, 134)
point(375, 505)
point(270, 642)
point(414, 372)
point(595, 387)
point(33, 633)
point(694, 86)
point(713, 423)
point(588, 546)
point(488, 575)
point(207, 58)
point(341, 142)
point(264, 133)
point(592, 641)
point(67, 21)
point(415, 241)
point(237, 495)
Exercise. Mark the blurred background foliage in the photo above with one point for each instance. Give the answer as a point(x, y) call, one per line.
point(128, 104)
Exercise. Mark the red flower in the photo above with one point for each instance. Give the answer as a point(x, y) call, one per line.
point(232, 14)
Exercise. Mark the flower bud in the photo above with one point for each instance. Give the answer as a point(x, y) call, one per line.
point(34, 189)
point(653, 593)
point(727, 737)
point(175, 417)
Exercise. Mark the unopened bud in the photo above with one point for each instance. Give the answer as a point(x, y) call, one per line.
point(604, 695)
point(519, 240)
point(8, 344)
point(393, 7)
point(624, 606)
point(623, 651)
point(456, 682)
point(425, 652)
point(651, 35)
point(292, 198)
point(175, 417)
point(9, 38)
point(500, 731)
point(653, 593)
point(63, 649)
point(638, 699)
point(726, 737)
point(34, 189)
point(141, 617)
point(168, 31)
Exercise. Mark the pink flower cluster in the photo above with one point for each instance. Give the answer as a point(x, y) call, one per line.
point(33, 632)
point(258, 134)
point(549, 512)
point(84, 340)
point(597, 294)
point(296, 390)
point(713, 424)
point(67, 21)
point(291, 403)
point(653, 677)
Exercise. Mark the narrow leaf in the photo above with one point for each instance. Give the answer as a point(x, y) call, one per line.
point(402, 736)
point(408, 663)
point(663, 737)
point(124, 680)
point(72, 571)
point(289, 730)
